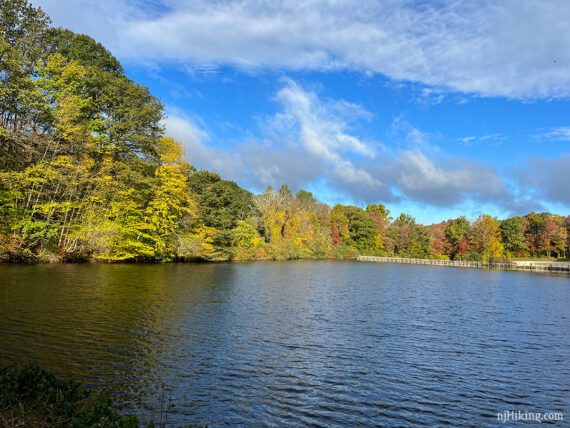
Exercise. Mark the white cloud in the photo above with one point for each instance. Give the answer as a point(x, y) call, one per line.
point(546, 179)
point(321, 128)
point(561, 133)
point(194, 142)
point(309, 138)
point(468, 140)
point(311, 141)
point(447, 182)
point(489, 140)
point(409, 137)
point(490, 47)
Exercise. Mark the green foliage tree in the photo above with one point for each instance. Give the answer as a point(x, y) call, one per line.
point(457, 234)
point(222, 203)
point(306, 199)
point(23, 29)
point(363, 230)
point(513, 237)
point(485, 236)
point(409, 238)
point(247, 241)
point(535, 233)
point(82, 49)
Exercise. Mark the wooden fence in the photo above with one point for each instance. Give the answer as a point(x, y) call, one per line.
point(559, 267)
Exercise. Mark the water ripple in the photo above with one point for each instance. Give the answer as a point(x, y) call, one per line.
point(314, 344)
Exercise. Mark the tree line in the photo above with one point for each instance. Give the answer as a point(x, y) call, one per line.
point(86, 173)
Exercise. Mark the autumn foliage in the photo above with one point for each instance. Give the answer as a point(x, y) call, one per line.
point(86, 173)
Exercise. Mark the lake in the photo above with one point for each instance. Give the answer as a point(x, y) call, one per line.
point(303, 343)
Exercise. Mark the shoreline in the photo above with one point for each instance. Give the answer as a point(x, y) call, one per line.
point(169, 262)
point(530, 266)
point(520, 266)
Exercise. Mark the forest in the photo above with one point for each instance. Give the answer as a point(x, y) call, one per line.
point(87, 173)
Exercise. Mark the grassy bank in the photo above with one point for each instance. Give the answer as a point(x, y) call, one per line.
point(33, 397)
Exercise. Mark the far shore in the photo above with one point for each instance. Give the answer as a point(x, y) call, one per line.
point(518, 265)
point(524, 265)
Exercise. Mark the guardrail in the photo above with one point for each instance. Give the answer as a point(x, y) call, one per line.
point(526, 266)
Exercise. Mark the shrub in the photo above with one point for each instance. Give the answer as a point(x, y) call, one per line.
point(31, 396)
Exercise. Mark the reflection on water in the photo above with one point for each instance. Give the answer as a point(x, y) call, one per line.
point(298, 343)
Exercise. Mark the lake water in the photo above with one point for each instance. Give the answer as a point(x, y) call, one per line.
point(298, 343)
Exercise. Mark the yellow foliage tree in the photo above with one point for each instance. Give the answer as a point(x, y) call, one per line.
point(486, 238)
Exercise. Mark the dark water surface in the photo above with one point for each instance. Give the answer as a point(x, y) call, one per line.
point(298, 343)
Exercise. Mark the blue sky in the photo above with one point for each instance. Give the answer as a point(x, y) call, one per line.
point(436, 108)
